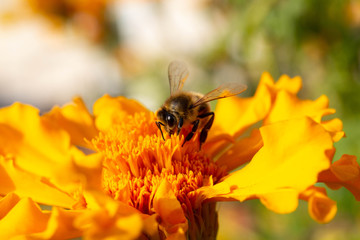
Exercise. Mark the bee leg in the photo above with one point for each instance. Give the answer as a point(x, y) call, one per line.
point(159, 124)
point(180, 124)
point(206, 128)
point(193, 130)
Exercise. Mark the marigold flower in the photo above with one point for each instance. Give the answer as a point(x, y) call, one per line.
point(110, 173)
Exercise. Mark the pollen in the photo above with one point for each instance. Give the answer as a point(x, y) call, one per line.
point(137, 160)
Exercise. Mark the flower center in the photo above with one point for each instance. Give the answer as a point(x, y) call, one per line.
point(137, 159)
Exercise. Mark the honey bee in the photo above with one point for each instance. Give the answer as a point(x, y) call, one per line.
point(190, 108)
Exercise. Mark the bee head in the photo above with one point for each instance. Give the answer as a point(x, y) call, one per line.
point(167, 119)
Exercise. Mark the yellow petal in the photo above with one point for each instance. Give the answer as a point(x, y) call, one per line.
point(281, 201)
point(106, 218)
point(169, 209)
point(23, 219)
point(37, 145)
point(321, 208)
point(26, 184)
point(241, 152)
point(76, 120)
point(60, 225)
point(291, 85)
point(293, 154)
point(288, 106)
point(39, 148)
point(32, 223)
point(334, 127)
point(89, 168)
point(111, 110)
point(151, 226)
point(234, 115)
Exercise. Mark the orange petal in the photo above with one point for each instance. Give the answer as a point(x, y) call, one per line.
point(76, 120)
point(7, 203)
point(241, 152)
point(344, 172)
point(346, 169)
point(111, 110)
point(321, 208)
point(293, 154)
point(217, 144)
point(179, 235)
point(173, 220)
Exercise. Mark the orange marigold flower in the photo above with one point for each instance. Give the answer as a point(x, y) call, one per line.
point(110, 173)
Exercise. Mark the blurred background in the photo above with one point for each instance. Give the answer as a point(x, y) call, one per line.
point(52, 50)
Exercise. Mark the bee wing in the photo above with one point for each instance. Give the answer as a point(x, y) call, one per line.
point(223, 91)
point(178, 73)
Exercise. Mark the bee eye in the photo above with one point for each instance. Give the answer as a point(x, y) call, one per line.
point(170, 120)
